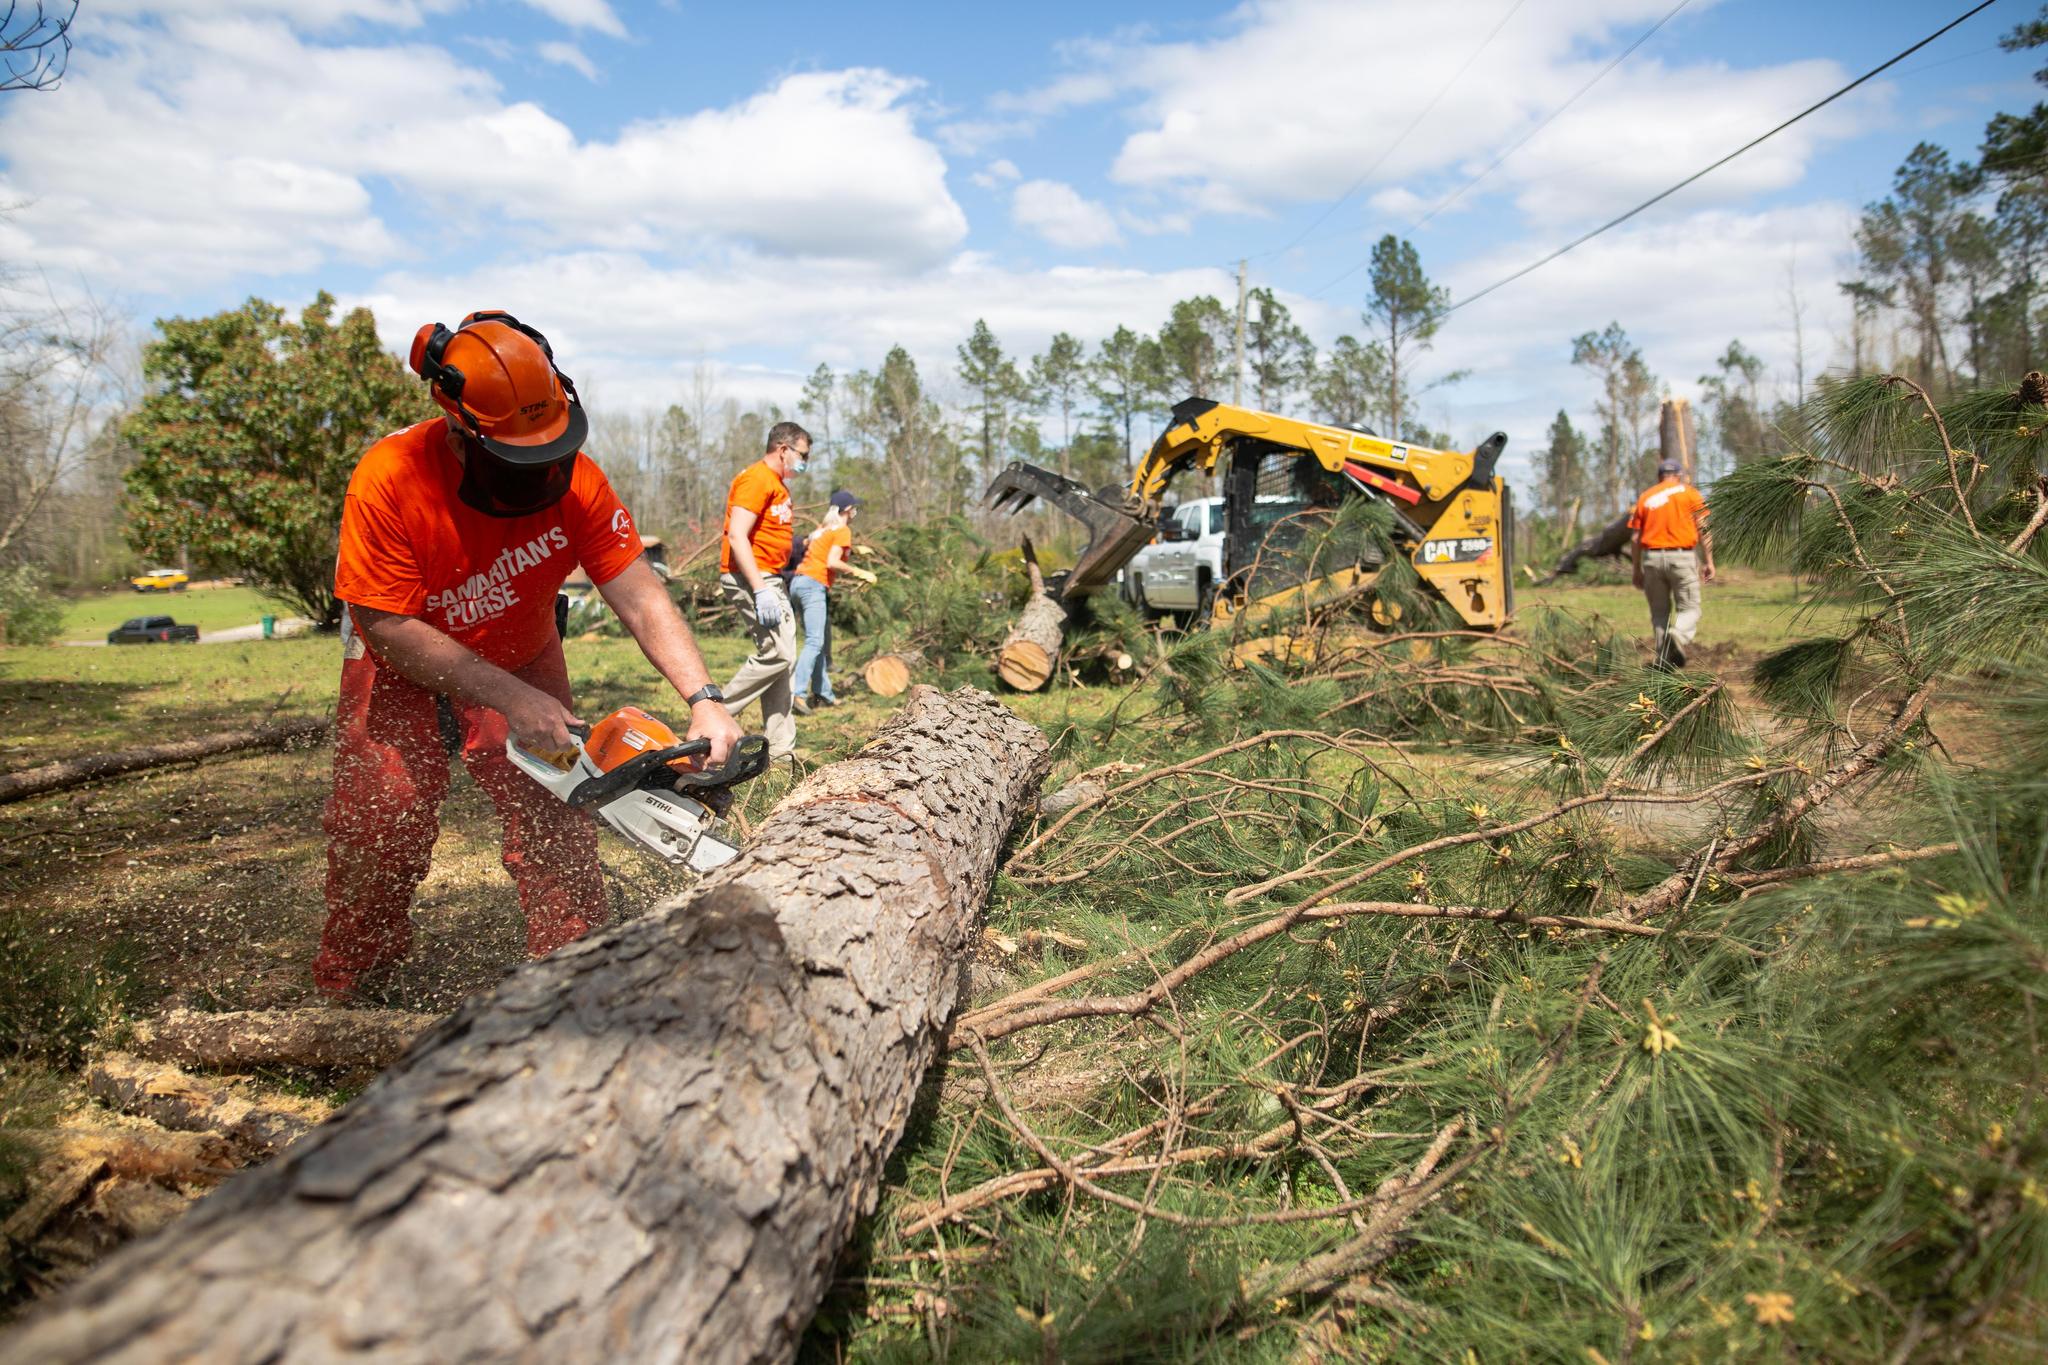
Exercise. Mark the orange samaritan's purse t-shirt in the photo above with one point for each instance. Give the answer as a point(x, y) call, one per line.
point(757, 489)
point(817, 558)
point(410, 545)
point(1668, 516)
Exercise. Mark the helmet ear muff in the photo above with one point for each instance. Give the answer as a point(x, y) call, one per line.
point(429, 345)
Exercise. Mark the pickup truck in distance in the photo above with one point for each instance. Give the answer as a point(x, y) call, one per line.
point(150, 630)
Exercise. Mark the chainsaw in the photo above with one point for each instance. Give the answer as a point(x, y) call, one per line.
point(640, 778)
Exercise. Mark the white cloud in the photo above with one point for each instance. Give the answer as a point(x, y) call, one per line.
point(995, 173)
point(1058, 213)
point(569, 55)
point(971, 137)
point(305, 14)
point(635, 327)
point(1199, 138)
point(147, 171)
point(591, 14)
point(1682, 288)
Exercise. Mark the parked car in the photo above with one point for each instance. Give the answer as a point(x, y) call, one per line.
point(1179, 571)
point(150, 630)
point(161, 580)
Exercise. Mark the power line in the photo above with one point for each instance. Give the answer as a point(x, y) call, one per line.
point(1413, 124)
point(1522, 141)
point(1662, 195)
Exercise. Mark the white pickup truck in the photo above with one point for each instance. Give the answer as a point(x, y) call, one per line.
point(1178, 572)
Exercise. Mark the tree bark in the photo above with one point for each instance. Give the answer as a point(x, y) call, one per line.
point(239, 1039)
point(650, 1146)
point(76, 772)
point(1025, 661)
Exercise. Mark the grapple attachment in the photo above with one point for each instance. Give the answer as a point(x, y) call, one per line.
point(1118, 522)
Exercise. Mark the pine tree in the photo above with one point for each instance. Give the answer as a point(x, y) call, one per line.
point(1278, 352)
point(1403, 311)
point(1125, 377)
point(997, 387)
point(1060, 377)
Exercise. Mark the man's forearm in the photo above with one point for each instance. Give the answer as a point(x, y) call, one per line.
point(1707, 547)
point(435, 661)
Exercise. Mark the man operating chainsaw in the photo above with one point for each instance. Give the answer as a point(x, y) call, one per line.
point(455, 535)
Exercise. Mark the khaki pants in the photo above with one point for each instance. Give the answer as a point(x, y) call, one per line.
point(1671, 580)
point(766, 675)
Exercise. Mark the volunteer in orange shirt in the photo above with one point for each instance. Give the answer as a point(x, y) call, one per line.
point(1673, 554)
point(810, 589)
point(759, 529)
point(455, 535)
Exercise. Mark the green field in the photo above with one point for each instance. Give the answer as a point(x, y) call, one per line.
point(1744, 611)
point(90, 618)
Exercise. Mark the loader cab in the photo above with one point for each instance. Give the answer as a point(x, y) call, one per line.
point(1280, 503)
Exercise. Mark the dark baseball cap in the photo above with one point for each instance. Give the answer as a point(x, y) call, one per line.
point(842, 499)
point(1669, 466)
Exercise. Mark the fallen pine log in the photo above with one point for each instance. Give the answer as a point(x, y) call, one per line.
point(1025, 660)
point(237, 1040)
point(182, 1103)
point(650, 1146)
point(76, 772)
point(1609, 540)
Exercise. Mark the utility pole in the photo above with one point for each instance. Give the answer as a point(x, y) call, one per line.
point(1237, 382)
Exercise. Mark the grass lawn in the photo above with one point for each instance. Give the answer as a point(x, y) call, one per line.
point(1743, 612)
point(90, 618)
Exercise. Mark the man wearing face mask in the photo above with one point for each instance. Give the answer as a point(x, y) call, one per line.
point(455, 535)
point(759, 529)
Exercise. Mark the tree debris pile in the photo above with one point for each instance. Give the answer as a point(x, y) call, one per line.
point(1389, 1041)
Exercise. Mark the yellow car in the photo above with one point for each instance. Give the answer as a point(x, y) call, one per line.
point(161, 580)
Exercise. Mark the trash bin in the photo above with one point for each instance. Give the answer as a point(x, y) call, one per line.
point(269, 627)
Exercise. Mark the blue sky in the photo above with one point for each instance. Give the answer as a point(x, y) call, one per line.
point(678, 192)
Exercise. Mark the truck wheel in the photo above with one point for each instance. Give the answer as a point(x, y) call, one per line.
point(1205, 597)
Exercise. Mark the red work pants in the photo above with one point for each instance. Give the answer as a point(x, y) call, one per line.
point(390, 775)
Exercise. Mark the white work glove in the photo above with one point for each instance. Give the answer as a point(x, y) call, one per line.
point(768, 607)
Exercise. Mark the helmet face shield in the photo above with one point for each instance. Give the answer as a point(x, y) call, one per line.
point(499, 488)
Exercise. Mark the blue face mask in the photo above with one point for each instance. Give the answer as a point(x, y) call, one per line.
point(801, 464)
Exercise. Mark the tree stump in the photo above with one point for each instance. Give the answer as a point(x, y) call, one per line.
point(1027, 655)
point(652, 1145)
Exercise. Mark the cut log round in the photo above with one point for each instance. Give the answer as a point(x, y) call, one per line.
point(76, 772)
point(650, 1146)
point(888, 675)
point(1026, 658)
point(239, 1039)
point(185, 1103)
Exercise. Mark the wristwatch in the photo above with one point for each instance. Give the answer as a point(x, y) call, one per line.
point(708, 692)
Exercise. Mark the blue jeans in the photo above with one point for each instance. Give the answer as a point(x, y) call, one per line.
point(812, 602)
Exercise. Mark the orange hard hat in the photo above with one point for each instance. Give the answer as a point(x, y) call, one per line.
point(497, 376)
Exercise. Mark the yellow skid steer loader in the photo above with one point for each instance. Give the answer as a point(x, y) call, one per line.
point(1451, 514)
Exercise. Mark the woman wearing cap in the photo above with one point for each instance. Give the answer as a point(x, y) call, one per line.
point(810, 588)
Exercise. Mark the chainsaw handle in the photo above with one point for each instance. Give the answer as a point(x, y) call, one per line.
point(748, 759)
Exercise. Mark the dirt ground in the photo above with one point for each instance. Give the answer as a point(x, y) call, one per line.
point(201, 886)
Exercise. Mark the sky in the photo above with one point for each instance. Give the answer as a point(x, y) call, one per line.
point(670, 189)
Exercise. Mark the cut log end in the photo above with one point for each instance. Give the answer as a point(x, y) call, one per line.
point(1024, 665)
point(887, 675)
